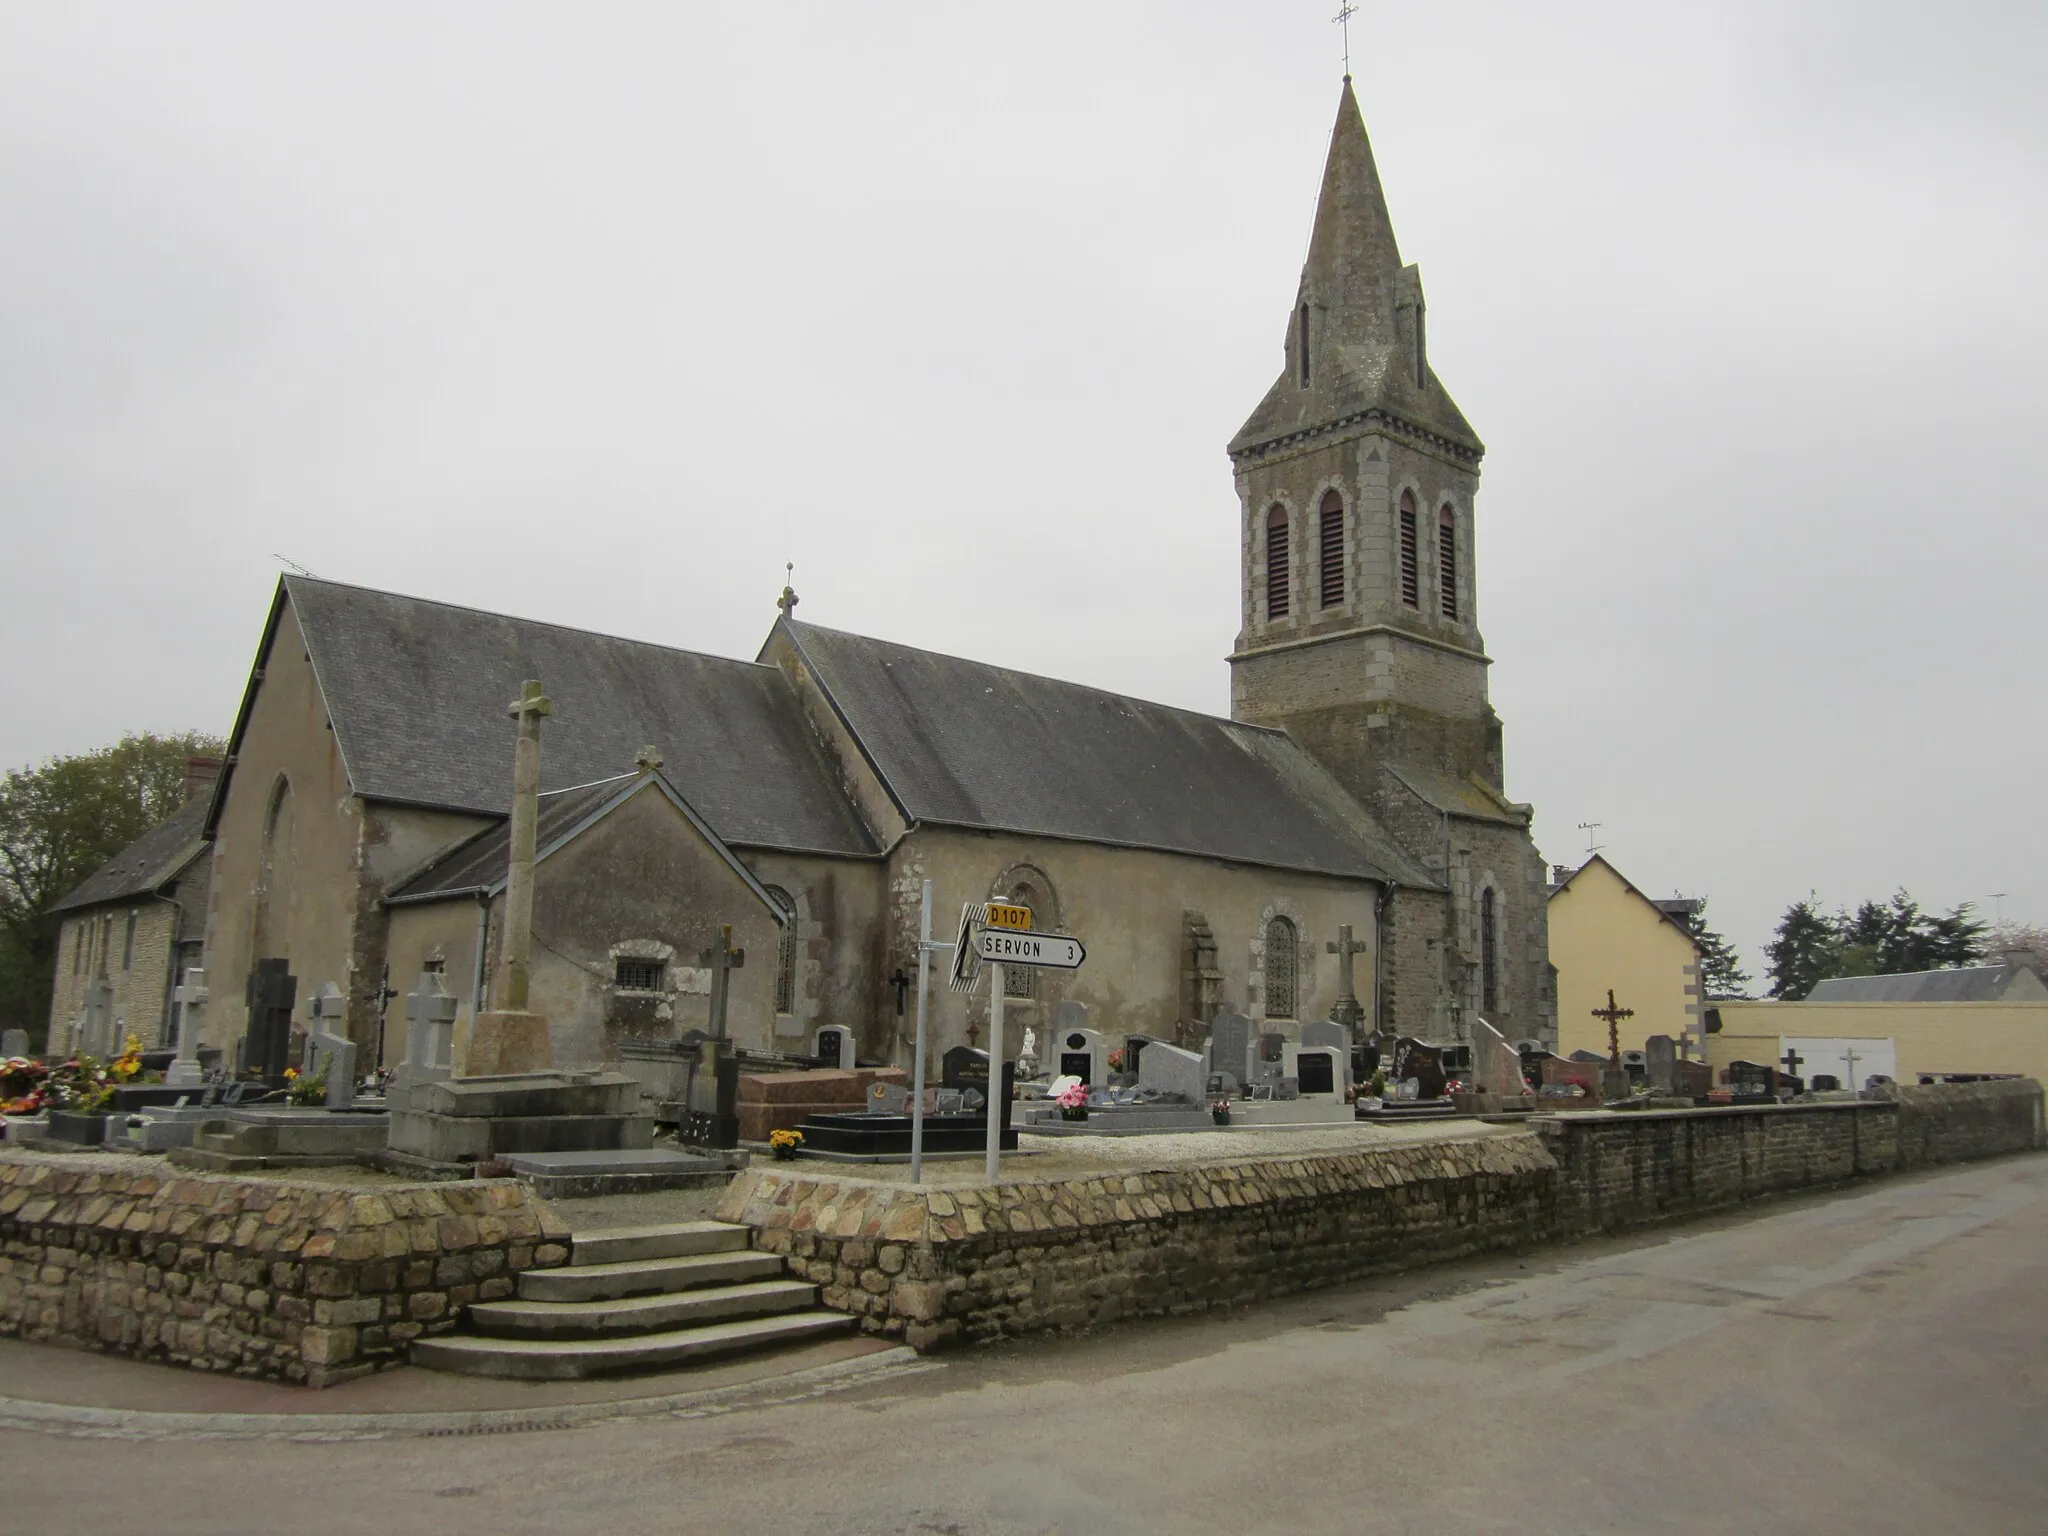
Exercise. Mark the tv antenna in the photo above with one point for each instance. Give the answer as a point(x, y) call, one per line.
point(1589, 828)
point(287, 560)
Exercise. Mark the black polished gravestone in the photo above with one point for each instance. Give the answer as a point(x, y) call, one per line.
point(1316, 1072)
point(876, 1138)
point(1421, 1061)
point(964, 1067)
point(273, 995)
point(1751, 1081)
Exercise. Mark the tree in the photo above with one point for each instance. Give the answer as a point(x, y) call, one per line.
point(1880, 938)
point(1721, 972)
point(59, 823)
point(2021, 941)
point(1804, 951)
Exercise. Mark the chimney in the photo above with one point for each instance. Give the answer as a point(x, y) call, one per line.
point(1559, 873)
point(201, 774)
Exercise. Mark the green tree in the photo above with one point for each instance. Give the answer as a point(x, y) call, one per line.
point(59, 823)
point(1804, 951)
point(1721, 972)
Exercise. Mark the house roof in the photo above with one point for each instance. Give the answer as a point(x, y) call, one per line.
point(1656, 906)
point(480, 867)
point(1960, 984)
point(151, 861)
point(962, 743)
point(417, 691)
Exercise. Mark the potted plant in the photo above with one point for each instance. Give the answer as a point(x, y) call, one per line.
point(1073, 1102)
point(1220, 1112)
point(784, 1144)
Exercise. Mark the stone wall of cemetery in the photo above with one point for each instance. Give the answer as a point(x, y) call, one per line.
point(942, 1267)
point(294, 1282)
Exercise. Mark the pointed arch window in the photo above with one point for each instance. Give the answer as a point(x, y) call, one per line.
point(785, 952)
point(1283, 954)
point(1447, 562)
point(1330, 536)
point(1276, 563)
point(1489, 953)
point(1411, 565)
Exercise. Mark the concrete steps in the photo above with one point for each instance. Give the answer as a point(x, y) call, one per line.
point(634, 1299)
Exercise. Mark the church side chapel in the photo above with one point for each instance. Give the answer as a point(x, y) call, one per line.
point(790, 808)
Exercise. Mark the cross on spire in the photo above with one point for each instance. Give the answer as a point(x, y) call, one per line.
point(1343, 19)
point(788, 601)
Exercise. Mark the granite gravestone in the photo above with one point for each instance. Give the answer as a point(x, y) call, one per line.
point(833, 1047)
point(1751, 1081)
point(1167, 1069)
point(1325, 1032)
point(1230, 1048)
point(190, 997)
point(964, 1066)
point(273, 996)
point(1134, 1051)
point(1082, 1053)
point(430, 1010)
point(1316, 1070)
point(1660, 1055)
point(14, 1043)
point(329, 1051)
point(1421, 1062)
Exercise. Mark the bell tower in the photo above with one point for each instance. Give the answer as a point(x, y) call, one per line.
point(1357, 477)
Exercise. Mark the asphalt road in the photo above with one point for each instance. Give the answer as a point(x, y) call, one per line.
point(1871, 1363)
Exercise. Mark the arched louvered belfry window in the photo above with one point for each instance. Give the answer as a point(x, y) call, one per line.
point(785, 952)
point(1330, 550)
point(1283, 954)
point(1277, 570)
point(1489, 953)
point(1447, 562)
point(1410, 556)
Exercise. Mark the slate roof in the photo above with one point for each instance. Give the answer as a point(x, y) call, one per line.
point(417, 691)
point(966, 744)
point(151, 861)
point(1961, 984)
point(483, 864)
point(1459, 797)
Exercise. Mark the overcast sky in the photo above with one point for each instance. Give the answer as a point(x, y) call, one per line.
point(599, 314)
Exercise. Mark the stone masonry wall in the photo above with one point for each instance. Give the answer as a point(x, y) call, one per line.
point(942, 1267)
point(301, 1283)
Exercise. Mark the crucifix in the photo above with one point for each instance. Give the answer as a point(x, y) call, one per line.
point(1343, 19)
point(1849, 1058)
point(1347, 1012)
point(1792, 1060)
point(901, 984)
point(1613, 1015)
point(721, 961)
point(529, 709)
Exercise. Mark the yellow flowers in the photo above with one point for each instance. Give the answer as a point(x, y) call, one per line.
point(781, 1139)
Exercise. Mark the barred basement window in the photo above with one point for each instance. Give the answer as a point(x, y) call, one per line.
point(1489, 954)
point(1447, 561)
point(1282, 955)
point(639, 975)
point(785, 953)
point(1411, 566)
point(1331, 532)
point(1276, 563)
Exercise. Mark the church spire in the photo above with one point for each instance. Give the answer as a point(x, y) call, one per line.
point(1351, 280)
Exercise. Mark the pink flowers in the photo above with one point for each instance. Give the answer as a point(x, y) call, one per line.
point(1073, 1096)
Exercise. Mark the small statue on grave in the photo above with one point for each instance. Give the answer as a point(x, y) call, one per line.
point(1027, 1054)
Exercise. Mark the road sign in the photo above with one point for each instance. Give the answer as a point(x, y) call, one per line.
point(1042, 949)
point(1002, 914)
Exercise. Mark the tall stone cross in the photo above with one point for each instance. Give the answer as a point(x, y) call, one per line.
point(1850, 1056)
point(529, 709)
point(721, 961)
point(190, 996)
point(1347, 1012)
point(1613, 1015)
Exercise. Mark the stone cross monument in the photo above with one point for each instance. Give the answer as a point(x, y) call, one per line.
point(508, 1039)
point(1347, 1011)
point(190, 996)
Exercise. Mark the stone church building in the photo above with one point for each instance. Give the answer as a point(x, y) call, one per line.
point(802, 797)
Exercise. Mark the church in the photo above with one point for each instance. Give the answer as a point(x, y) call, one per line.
point(801, 799)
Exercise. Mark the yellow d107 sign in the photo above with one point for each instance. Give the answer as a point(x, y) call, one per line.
point(1002, 915)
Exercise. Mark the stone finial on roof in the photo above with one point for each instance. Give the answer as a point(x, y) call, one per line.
point(648, 761)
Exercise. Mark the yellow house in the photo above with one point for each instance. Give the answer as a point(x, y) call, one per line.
point(1976, 1019)
point(1605, 934)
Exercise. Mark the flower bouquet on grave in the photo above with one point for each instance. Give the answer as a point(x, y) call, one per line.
point(306, 1092)
point(24, 1086)
point(1220, 1111)
point(80, 1086)
point(1073, 1102)
point(784, 1144)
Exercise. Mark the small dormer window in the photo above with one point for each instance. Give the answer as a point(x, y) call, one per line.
point(639, 975)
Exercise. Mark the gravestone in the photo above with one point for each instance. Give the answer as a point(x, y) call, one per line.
point(329, 1049)
point(1496, 1065)
point(1423, 1063)
point(1134, 1051)
point(14, 1043)
point(1317, 1071)
point(833, 1047)
point(964, 1066)
point(1325, 1032)
point(1082, 1053)
point(1660, 1056)
point(1751, 1081)
point(1169, 1069)
point(189, 996)
point(888, 1099)
point(430, 1010)
point(1691, 1079)
point(1230, 1047)
point(273, 995)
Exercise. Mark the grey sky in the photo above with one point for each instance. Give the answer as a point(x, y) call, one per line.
point(598, 314)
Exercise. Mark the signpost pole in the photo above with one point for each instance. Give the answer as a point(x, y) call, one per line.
point(995, 1066)
point(924, 970)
